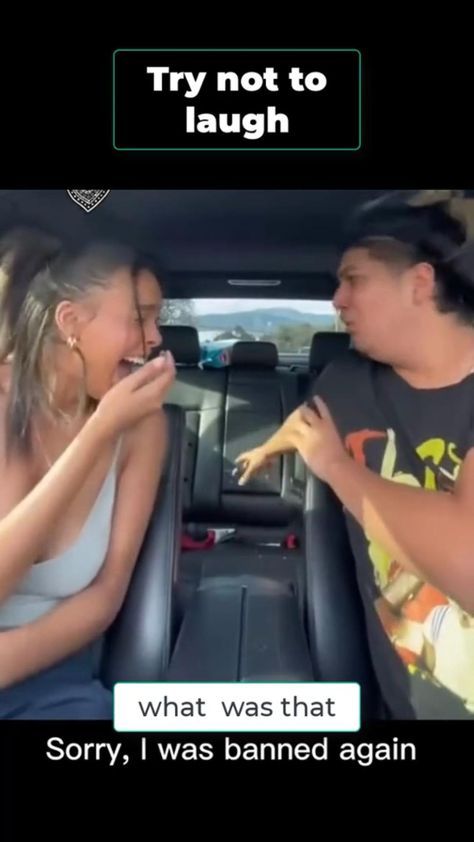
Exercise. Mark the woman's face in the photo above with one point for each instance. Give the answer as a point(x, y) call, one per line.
point(111, 339)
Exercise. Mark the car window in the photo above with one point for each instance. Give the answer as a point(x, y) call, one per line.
point(290, 324)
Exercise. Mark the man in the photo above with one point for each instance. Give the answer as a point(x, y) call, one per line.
point(391, 431)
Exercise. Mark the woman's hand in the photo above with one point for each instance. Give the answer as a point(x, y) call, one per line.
point(312, 433)
point(136, 396)
point(251, 462)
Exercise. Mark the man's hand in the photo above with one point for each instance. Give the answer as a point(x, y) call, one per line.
point(317, 440)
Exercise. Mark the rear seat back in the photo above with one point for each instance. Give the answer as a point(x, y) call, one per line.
point(259, 397)
point(252, 409)
point(325, 347)
point(201, 393)
point(227, 411)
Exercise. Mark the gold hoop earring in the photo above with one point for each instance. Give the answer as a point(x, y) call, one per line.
point(72, 342)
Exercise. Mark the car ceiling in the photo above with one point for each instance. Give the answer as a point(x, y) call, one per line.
point(199, 239)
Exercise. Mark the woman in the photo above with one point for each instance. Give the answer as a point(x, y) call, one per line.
point(77, 425)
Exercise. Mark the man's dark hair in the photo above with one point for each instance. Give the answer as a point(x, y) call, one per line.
point(402, 234)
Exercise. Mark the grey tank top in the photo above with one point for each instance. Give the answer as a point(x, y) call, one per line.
point(50, 581)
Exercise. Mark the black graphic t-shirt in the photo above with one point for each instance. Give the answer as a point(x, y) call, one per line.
point(422, 642)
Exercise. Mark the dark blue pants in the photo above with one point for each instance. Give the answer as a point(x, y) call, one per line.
point(68, 690)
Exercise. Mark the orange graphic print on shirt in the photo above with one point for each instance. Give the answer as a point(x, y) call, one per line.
point(432, 634)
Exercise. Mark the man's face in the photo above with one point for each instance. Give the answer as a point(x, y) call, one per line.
point(376, 302)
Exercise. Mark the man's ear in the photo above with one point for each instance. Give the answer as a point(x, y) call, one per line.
point(423, 283)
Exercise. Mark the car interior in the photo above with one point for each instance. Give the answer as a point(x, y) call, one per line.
point(234, 583)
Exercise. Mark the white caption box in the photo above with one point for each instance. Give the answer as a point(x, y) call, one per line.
point(196, 707)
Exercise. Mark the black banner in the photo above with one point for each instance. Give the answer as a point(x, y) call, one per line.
point(58, 120)
point(234, 100)
point(31, 748)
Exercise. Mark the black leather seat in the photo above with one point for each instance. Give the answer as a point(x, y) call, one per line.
point(229, 410)
point(182, 341)
point(201, 394)
point(335, 615)
point(325, 347)
point(138, 646)
point(258, 399)
point(242, 628)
